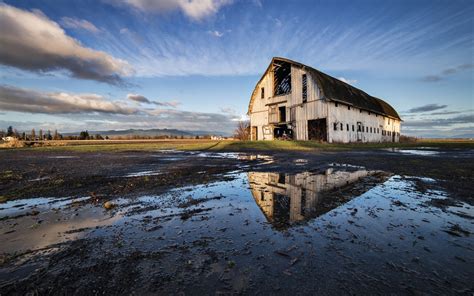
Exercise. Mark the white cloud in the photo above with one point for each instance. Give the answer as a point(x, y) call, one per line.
point(32, 101)
point(194, 9)
point(74, 23)
point(31, 41)
point(348, 81)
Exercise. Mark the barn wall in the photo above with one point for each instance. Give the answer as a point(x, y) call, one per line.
point(374, 122)
point(259, 115)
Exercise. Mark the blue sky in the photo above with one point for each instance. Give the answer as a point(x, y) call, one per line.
point(117, 64)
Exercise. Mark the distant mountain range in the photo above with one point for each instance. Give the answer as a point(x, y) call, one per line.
point(150, 132)
point(435, 136)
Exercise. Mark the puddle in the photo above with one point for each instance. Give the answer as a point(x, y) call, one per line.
point(31, 224)
point(422, 151)
point(143, 174)
point(332, 224)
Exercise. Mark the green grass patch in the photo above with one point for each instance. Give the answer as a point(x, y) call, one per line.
point(120, 146)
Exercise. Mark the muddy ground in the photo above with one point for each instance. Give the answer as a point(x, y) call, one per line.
point(190, 223)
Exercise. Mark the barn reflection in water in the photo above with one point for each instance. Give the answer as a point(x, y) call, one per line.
point(286, 199)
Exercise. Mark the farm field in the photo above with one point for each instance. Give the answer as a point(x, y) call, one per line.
point(229, 217)
point(232, 145)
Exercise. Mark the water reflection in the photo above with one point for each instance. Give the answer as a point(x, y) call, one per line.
point(288, 198)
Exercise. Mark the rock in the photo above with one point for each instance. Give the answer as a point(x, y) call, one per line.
point(109, 205)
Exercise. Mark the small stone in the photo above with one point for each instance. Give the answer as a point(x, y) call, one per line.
point(108, 205)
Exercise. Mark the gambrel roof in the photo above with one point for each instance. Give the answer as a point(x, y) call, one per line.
point(338, 91)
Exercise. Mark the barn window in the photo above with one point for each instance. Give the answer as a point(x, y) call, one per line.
point(360, 110)
point(347, 127)
point(262, 92)
point(335, 126)
point(305, 88)
point(370, 130)
point(336, 104)
point(366, 129)
point(348, 107)
point(352, 127)
point(281, 78)
point(342, 127)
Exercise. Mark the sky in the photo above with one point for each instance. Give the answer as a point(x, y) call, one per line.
point(193, 64)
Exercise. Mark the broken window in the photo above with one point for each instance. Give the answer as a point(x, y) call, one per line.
point(335, 126)
point(262, 93)
point(281, 78)
point(281, 178)
point(305, 88)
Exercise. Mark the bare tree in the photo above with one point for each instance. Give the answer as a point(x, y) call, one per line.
point(242, 132)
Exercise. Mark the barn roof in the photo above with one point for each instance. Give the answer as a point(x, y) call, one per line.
point(338, 91)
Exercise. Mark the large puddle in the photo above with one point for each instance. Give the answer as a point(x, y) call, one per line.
point(384, 226)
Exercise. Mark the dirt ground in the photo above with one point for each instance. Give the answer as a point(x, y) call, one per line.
point(258, 222)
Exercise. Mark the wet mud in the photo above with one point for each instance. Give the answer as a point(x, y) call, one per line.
point(192, 223)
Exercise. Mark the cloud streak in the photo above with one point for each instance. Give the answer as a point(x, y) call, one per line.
point(427, 108)
point(441, 122)
point(74, 23)
point(142, 99)
point(31, 41)
point(447, 72)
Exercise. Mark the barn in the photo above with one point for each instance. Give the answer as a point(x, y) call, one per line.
point(295, 101)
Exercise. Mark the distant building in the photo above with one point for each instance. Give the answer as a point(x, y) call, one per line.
point(295, 101)
point(8, 139)
point(217, 138)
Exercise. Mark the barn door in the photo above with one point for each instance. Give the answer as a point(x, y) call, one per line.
point(254, 133)
point(317, 130)
point(359, 131)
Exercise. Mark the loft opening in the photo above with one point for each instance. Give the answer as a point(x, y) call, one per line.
point(281, 78)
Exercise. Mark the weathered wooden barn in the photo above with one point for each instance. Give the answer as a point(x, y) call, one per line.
point(294, 101)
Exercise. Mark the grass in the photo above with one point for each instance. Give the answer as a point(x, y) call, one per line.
point(191, 144)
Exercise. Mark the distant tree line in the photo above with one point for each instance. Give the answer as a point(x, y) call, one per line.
point(32, 136)
point(47, 135)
